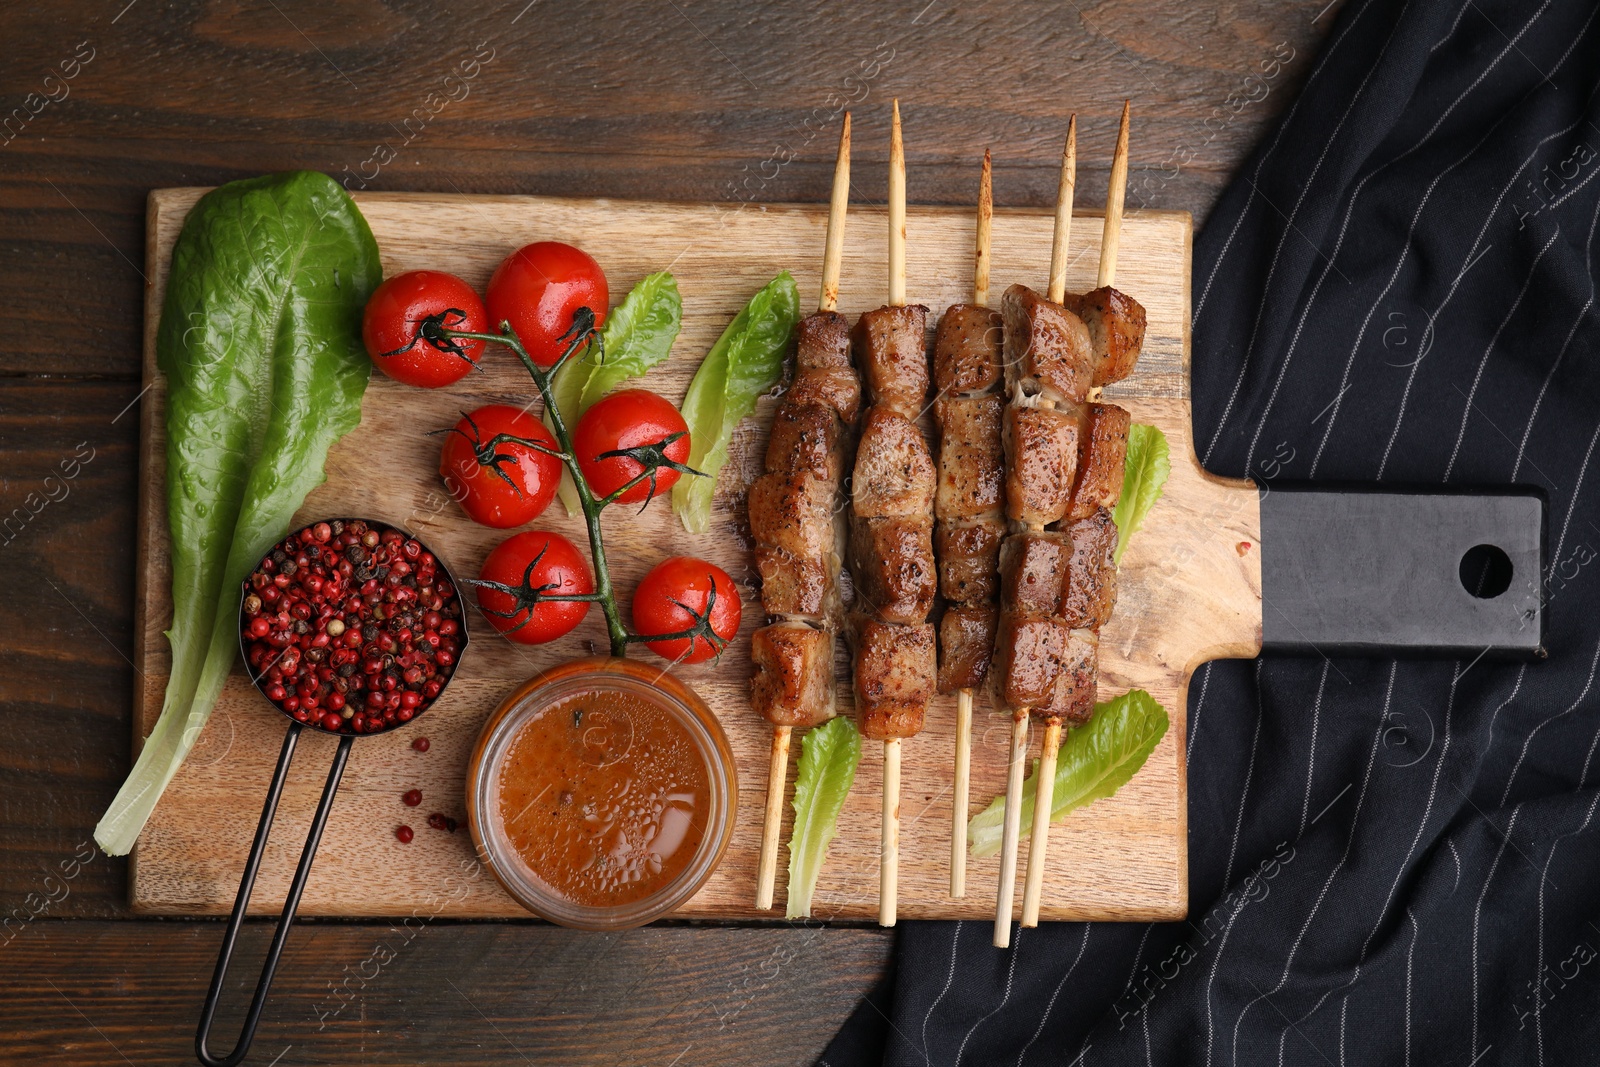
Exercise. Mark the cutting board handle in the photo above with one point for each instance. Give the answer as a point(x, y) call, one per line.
point(1434, 572)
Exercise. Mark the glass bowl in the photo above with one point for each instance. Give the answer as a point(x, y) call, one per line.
point(599, 675)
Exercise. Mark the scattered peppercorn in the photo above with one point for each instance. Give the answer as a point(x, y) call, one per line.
point(405, 834)
point(411, 798)
point(420, 744)
point(442, 822)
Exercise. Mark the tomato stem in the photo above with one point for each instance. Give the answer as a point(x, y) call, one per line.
point(582, 335)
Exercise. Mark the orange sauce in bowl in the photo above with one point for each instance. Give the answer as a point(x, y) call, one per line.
point(604, 796)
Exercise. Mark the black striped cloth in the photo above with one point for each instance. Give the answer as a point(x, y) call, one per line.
point(1390, 862)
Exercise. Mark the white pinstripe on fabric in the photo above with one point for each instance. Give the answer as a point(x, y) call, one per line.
point(1477, 915)
point(1011, 973)
point(1466, 412)
point(1045, 1015)
point(955, 945)
point(1333, 415)
point(1327, 884)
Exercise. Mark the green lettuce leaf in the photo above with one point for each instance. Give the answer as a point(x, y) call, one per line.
point(1143, 478)
point(1096, 759)
point(828, 757)
point(260, 344)
point(746, 362)
point(638, 334)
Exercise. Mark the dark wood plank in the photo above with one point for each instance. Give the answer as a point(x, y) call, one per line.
point(420, 992)
point(701, 101)
point(66, 612)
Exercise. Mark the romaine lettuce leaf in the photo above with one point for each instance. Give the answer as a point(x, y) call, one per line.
point(1096, 760)
point(260, 344)
point(1143, 478)
point(828, 757)
point(746, 362)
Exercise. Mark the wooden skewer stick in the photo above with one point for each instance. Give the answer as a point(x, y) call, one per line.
point(962, 787)
point(889, 859)
point(778, 771)
point(1013, 829)
point(1064, 191)
point(833, 250)
point(963, 775)
point(1115, 194)
point(1013, 823)
point(1052, 738)
point(897, 213)
point(1043, 798)
point(777, 779)
point(980, 257)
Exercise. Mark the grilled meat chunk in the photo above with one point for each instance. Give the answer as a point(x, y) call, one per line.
point(891, 348)
point(822, 369)
point(1102, 454)
point(969, 559)
point(1116, 323)
point(971, 458)
point(894, 572)
point(894, 472)
point(966, 644)
point(895, 676)
point(793, 513)
point(1033, 567)
point(797, 588)
point(1072, 700)
point(793, 682)
point(1090, 591)
point(1045, 666)
point(1048, 351)
point(807, 438)
point(966, 351)
point(1041, 445)
point(1028, 650)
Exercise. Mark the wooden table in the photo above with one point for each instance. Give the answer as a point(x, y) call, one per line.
point(690, 101)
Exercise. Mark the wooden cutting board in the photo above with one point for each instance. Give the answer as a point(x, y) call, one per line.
point(1190, 585)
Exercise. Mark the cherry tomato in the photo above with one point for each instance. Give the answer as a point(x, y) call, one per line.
point(629, 419)
point(508, 484)
point(538, 288)
point(401, 323)
point(530, 561)
point(671, 596)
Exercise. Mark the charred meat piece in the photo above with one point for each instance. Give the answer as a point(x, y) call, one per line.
point(793, 513)
point(807, 438)
point(1042, 447)
point(972, 462)
point(1116, 323)
point(1072, 701)
point(891, 348)
point(966, 643)
point(1033, 568)
point(893, 572)
point(1102, 454)
point(895, 676)
point(1048, 351)
point(823, 372)
point(969, 559)
point(1090, 591)
point(797, 588)
point(1028, 652)
point(966, 351)
point(894, 472)
point(793, 682)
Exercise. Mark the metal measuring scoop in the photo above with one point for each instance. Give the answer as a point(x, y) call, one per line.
point(303, 869)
